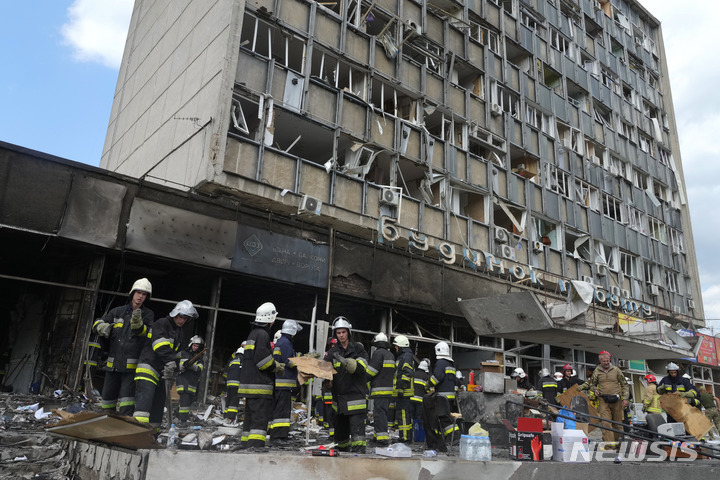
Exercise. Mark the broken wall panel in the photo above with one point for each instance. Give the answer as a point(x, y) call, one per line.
point(295, 14)
point(241, 158)
point(327, 30)
point(314, 181)
point(354, 118)
point(252, 72)
point(322, 103)
point(357, 46)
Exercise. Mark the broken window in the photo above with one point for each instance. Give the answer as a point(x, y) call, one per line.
point(646, 144)
point(652, 273)
point(578, 245)
point(363, 161)
point(608, 79)
point(640, 179)
point(587, 195)
point(526, 167)
point(677, 240)
point(629, 264)
point(560, 43)
point(612, 207)
point(468, 77)
point(550, 78)
point(627, 131)
point(540, 120)
point(339, 74)
point(485, 36)
point(469, 202)
point(606, 255)
point(508, 102)
point(637, 220)
point(557, 180)
point(628, 94)
point(509, 217)
point(594, 31)
point(577, 96)
point(603, 115)
point(671, 280)
point(547, 233)
point(572, 138)
point(636, 65)
point(265, 40)
point(658, 231)
point(528, 19)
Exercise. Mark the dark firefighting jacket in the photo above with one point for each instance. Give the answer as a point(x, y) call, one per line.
point(125, 344)
point(349, 390)
point(257, 375)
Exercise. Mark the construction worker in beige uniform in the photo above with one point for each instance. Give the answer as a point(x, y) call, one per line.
point(608, 383)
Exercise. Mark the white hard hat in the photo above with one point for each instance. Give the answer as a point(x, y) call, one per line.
point(544, 372)
point(291, 327)
point(687, 376)
point(442, 350)
point(458, 374)
point(184, 308)
point(380, 337)
point(401, 341)
point(424, 365)
point(240, 350)
point(672, 366)
point(558, 376)
point(277, 336)
point(266, 313)
point(341, 322)
point(196, 339)
point(142, 285)
point(519, 372)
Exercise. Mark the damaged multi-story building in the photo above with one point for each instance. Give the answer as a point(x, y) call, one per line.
point(502, 174)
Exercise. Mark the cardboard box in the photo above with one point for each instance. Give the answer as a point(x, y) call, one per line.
point(529, 433)
point(491, 367)
point(571, 446)
point(585, 427)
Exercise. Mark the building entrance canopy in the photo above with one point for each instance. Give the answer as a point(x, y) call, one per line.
point(521, 316)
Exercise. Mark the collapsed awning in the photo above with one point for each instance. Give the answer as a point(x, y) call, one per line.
point(521, 316)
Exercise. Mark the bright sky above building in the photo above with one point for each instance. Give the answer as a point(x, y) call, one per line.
point(60, 63)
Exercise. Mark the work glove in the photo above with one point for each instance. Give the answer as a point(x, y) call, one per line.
point(279, 368)
point(181, 368)
point(136, 322)
point(194, 367)
point(686, 394)
point(170, 370)
point(582, 387)
point(290, 363)
point(662, 389)
point(103, 329)
point(349, 364)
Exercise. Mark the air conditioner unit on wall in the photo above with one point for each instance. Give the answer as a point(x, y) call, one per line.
point(601, 269)
point(537, 246)
point(506, 251)
point(691, 304)
point(309, 205)
point(677, 309)
point(596, 5)
point(676, 249)
point(622, 364)
point(501, 235)
point(654, 290)
point(389, 196)
point(496, 109)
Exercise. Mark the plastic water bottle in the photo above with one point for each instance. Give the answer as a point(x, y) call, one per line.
point(172, 435)
point(484, 452)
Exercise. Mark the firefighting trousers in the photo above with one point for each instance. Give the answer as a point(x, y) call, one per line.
point(416, 410)
point(186, 399)
point(350, 432)
point(119, 391)
point(257, 416)
point(403, 419)
point(233, 400)
point(381, 406)
point(280, 423)
point(438, 423)
point(149, 401)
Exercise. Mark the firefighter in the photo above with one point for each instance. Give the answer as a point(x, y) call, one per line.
point(126, 329)
point(381, 372)
point(548, 387)
point(523, 381)
point(349, 388)
point(651, 402)
point(187, 380)
point(285, 383)
point(404, 382)
point(159, 362)
point(437, 421)
point(257, 377)
point(568, 379)
point(420, 384)
point(232, 382)
point(674, 383)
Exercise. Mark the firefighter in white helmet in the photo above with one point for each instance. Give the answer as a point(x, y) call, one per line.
point(349, 388)
point(381, 372)
point(126, 329)
point(232, 382)
point(674, 383)
point(437, 421)
point(420, 384)
point(285, 384)
point(257, 377)
point(403, 381)
point(158, 362)
point(522, 379)
point(191, 366)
